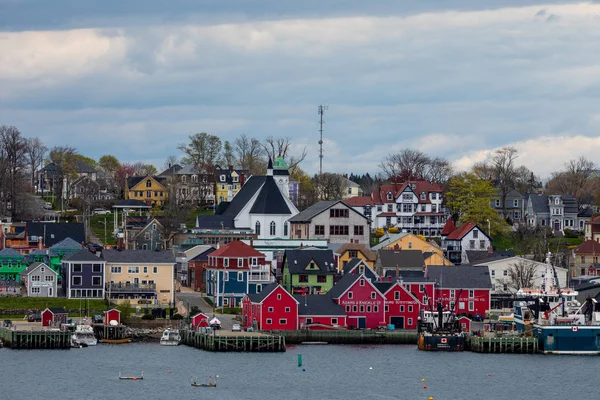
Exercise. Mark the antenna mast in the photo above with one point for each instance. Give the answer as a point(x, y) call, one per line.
point(321, 111)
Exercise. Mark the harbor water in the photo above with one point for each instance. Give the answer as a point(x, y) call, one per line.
point(327, 372)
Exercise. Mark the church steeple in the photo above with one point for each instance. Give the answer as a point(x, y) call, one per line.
point(270, 167)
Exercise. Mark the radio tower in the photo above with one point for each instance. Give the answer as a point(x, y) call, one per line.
point(321, 111)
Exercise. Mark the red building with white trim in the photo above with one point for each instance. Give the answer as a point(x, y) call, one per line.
point(54, 317)
point(401, 307)
point(271, 309)
point(112, 315)
point(318, 312)
point(361, 300)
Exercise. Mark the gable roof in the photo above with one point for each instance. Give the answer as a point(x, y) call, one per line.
point(389, 239)
point(484, 256)
point(297, 260)
point(265, 292)
point(132, 181)
point(462, 231)
point(270, 200)
point(239, 201)
point(588, 247)
point(461, 277)
point(54, 232)
point(171, 170)
point(309, 213)
point(57, 310)
point(203, 256)
point(359, 201)
point(12, 253)
point(236, 248)
point(449, 227)
point(139, 256)
point(35, 266)
point(83, 255)
point(355, 262)
point(316, 304)
point(403, 259)
point(346, 282)
point(369, 255)
point(66, 243)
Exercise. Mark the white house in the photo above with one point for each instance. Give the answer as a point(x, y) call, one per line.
point(40, 280)
point(456, 241)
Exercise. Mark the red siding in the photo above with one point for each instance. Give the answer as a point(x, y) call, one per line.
point(478, 303)
point(197, 318)
point(363, 305)
point(400, 303)
point(272, 308)
point(47, 317)
point(466, 322)
point(112, 315)
point(324, 320)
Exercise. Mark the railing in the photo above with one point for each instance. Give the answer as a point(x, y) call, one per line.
point(122, 287)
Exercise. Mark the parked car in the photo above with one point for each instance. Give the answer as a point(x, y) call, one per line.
point(236, 328)
point(100, 211)
point(47, 206)
point(94, 248)
point(34, 317)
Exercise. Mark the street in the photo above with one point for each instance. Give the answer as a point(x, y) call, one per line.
point(191, 299)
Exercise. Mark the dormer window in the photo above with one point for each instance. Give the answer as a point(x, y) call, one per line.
point(183, 178)
point(557, 201)
point(222, 178)
point(390, 196)
point(148, 183)
point(423, 196)
point(236, 178)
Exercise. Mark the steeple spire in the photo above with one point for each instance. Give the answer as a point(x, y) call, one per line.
point(270, 167)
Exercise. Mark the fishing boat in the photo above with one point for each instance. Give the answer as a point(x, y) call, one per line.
point(83, 336)
point(561, 324)
point(132, 378)
point(115, 341)
point(210, 382)
point(170, 337)
point(438, 331)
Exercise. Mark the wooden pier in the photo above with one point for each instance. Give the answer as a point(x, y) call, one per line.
point(112, 332)
point(509, 344)
point(35, 339)
point(350, 337)
point(229, 342)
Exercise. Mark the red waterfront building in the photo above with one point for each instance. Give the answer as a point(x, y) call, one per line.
point(112, 315)
point(318, 312)
point(402, 308)
point(54, 316)
point(271, 309)
point(362, 301)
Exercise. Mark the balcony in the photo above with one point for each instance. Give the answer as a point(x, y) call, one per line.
point(260, 274)
point(130, 288)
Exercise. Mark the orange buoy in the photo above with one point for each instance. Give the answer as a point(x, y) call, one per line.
point(135, 379)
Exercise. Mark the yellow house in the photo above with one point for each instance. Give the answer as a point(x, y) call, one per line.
point(351, 189)
point(434, 255)
point(228, 183)
point(150, 189)
point(140, 277)
point(348, 251)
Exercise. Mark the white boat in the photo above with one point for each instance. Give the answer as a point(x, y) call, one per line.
point(83, 336)
point(170, 337)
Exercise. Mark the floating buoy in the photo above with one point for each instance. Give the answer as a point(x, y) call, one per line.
point(489, 374)
point(431, 398)
point(370, 367)
point(422, 379)
point(135, 379)
point(169, 371)
point(299, 360)
point(425, 387)
point(303, 370)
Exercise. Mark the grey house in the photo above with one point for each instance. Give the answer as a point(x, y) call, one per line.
point(514, 206)
point(40, 280)
point(83, 275)
point(559, 212)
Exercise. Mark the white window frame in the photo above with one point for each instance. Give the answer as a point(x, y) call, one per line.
point(471, 306)
point(240, 262)
point(133, 270)
point(226, 262)
point(155, 270)
point(240, 276)
point(269, 321)
point(282, 321)
point(350, 295)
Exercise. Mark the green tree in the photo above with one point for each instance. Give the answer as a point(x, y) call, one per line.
point(470, 199)
point(203, 151)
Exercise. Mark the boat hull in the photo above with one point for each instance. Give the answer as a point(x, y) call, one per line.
point(169, 343)
point(441, 343)
point(569, 339)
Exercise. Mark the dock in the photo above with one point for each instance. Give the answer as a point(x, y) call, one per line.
point(111, 332)
point(349, 337)
point(35, 338)
point(508, 344)
point(221, 341)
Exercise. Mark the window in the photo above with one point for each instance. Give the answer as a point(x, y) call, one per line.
point(226, 262)
point(145, 269)
point(354, 308)
point(353, 254)
point(350, 295)
point(96, 280)
point(76, 281)
point(222, 178)
point(319, 229)
point(49, 278)
point(471, 306)
point(401, 308)
point(423, 196)
point(471, 294)
point(226, 276)
point(497, 203)
point(362, 308)
point(133, 270)
point(493, 272)
point(482, 244)
point(410, 245)
point(35, 278)
point(373, 295)
point(42, 269)
point(254, 261)
point(369, 309)
point(461, 305)
point(515, 203)
point(396, 295)
point(278, 296)
point(557, 201)
point(240, 262)
point(146, 235)
point(272, 227)
point(452, 293)
point(505, 272)
point(472, 244)
point(422, 288)
point(375, 308)
point(148, 183)
point(155, 270)
point(269, 321)
point(410, 308)
point(321, 278)
point(283, 321)
point(35, 290)
point(115, 270)
point(359, 230)
point(285, 229)
point(339, 213)
point(257, 228)
point(334, 321)
point(303, 278)
point(410, 321)
point(390, 207)
point(240, 276)
point(287, 309)
point(379, 208)
point(386, 308)
point(362, 282)
point(270, 309)
point(390, 196)
point(338, 230)
point(407, 197)
point(347, 308)
point(475, 233)
point(76, 267)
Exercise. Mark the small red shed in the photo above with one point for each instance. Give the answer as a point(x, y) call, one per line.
point(54, 316)
point(112, 315)
point(198, 318)
point(464, 323)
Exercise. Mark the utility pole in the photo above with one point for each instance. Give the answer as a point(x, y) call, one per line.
point(321, 111)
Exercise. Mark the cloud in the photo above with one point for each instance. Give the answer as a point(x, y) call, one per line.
point(451, 82)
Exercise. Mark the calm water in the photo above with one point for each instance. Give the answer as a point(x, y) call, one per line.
point(331, 372)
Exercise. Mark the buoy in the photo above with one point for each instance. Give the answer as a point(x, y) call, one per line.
point(135, 379)
point(425, 387)
point(303, 370)
point(489, 374)
point(169, 371)
point(431, 398)
point(370, 367)
point(299, 360)
point(422, 379)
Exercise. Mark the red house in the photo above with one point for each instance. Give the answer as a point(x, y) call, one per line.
point(198, 318)
point(464, 323)
point(271, 309)
point(196, 268)
point(402, 308)
point(362, 301)
point(54, 316)
point(112, 315)
point(318, 312)
point(463, 289)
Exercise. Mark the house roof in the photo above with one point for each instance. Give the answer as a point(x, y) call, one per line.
point(134, 180)
point(54, 232)
point(461, 231)
point(359, 201)
point(270, 200)
point(389, 239)
point(216, 222)
point(476, 257)
point(460, 277)
point(204, 251)
point(67, 244)
point(57, 310)
point(171, 170)
point(131, 203)
point(588, 247)
point(449, 227)
point(264, 293)
point(10, 253)
point(316, 304)
point(309, 213)
point(355, 262)
point(369, 255)
point(236, 248)
point(34, 266)
point(83, 255)
point(342, 285)
point(139, 256)
point(297, 260)
point(403, 259)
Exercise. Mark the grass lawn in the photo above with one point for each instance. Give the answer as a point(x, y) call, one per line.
point(190, 219)
point(39, 303)
point(556, 244)
point(97, 226)
point(503, 243)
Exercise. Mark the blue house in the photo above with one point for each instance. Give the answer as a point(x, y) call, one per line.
point(83, 275)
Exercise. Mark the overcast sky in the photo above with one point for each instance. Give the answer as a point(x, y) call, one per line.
point(456, 79)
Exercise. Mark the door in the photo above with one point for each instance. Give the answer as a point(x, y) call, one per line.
point(556, 225)
point(362, 322)
point(50, 294)
point(136, 281)
point(398, 322)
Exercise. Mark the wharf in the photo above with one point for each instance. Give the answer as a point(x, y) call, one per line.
point(35, 338)
point(507, 344)
point(112, 332)
point(234, 341)
point(350, 337)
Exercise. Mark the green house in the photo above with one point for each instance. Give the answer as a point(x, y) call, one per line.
point(60, 250)
point(308, 271)
point(11, 264)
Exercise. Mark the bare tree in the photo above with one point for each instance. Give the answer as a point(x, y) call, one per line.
point(521, 274)
point(281, 147)
point(36, 152)
point(170, 161)
point(249, 154)
point(109, 167)
point(65, 158)
point(483, 171)
point(228, 156)
point(411, 164)
point(505, 173)
point(141, 169)
point(439, 170)
point(203, 151)
point(15, 158)
point(578, 178)
point(526, 181)
point(173, 217)
point(328, 186)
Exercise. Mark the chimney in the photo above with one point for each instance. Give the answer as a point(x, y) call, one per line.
point(40, 244)
point(389, 278)
point(251, 243)
point(83, 245)
point(397, 271)
point(170, 165)
point(231, 168)
point(490, 250)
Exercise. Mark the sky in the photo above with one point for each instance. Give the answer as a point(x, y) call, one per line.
point(456, 79)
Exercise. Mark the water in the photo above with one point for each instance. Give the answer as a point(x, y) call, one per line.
point(331, 372)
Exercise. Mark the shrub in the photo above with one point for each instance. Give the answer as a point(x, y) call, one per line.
point(232, 310)
point(194, 310)
point(393, 230)
point(208, 301)
point(149, 317)
point(177, 316)
point(379, 232)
